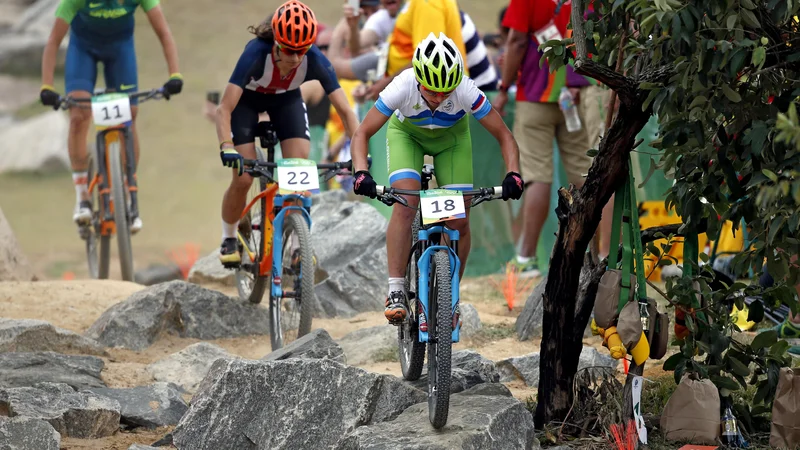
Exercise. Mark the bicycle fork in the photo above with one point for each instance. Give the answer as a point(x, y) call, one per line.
point(424, 274)
point(105, 139)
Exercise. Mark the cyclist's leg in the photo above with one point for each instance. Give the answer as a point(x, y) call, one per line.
point(405, 159)
point(243, 121)
point(454, 171)
point(80, 74)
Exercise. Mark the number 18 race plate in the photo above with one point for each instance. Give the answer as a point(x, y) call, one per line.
point(297, 175)
point(440, 205)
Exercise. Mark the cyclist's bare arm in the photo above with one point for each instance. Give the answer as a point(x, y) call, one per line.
point(60, 29)
point(230, 98)
point(359, 147)
point(340, 103)
point(160, 26)
point(508, 145)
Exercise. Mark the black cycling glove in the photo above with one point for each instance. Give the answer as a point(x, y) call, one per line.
point(513, 186)
point(363, 184)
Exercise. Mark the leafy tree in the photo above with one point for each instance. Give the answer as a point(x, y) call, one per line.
point(718, 74)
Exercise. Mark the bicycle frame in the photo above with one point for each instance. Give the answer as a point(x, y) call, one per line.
point(277, 235)
point(424, 266)
point(105, 138)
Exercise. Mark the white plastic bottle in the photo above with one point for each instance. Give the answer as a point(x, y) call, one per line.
point(567, 104)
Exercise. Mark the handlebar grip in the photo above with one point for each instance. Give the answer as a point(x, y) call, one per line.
point(497, 190)
point(380, 189)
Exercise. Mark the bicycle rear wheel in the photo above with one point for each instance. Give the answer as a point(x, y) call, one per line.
point(249, 281)
point(412, 351)
point(291, 315)
point(118, 194)
point(440, 326)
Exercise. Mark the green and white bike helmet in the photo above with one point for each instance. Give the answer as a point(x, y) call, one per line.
point(437, 63)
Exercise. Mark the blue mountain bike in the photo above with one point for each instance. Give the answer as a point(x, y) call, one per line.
point(275, 239)
point(432, 287)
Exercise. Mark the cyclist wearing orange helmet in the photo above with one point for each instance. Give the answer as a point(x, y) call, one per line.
point(267, 78)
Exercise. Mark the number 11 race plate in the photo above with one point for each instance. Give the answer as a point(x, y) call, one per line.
point(111, 109)
point(440, 205)
point(297, 175)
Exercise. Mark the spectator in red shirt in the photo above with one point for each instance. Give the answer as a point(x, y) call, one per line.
point(538, 119)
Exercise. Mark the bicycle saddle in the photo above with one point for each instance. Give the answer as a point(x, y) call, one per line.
point(427, 173)
point(266, 132)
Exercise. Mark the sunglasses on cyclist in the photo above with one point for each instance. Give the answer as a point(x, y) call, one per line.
point(289, 51)
point(434, 93)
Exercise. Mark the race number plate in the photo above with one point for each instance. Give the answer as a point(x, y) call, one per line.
point(111, 109)
point(297, 175)
point(440, 205)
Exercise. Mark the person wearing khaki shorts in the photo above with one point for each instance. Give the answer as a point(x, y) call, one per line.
point(536, 126)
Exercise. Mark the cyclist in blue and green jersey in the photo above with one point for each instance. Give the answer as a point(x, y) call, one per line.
point(427, 107)
point(100, 31)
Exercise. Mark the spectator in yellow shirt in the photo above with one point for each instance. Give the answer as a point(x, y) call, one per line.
point(415, 21)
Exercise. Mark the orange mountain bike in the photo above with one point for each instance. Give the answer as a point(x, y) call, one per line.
point(278, 215)
point(112, 179)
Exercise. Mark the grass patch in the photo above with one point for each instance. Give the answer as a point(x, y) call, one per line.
point(656, 394)
point(387, 354)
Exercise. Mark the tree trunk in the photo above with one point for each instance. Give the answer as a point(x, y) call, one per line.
point(579, 213)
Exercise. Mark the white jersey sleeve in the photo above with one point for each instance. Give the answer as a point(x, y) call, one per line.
point(470, 98)
point(395, 96)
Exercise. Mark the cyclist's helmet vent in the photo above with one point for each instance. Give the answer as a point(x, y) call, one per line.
point(294, 25)
point(438, 64)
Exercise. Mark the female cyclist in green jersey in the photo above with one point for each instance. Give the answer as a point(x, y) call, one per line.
point(426, 107)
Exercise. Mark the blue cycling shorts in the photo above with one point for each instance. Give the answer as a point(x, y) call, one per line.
point(119, 65)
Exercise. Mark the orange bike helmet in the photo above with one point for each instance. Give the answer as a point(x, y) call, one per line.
point(294, 25)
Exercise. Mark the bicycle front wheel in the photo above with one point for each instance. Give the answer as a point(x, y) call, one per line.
point(290, 315)
point(249, 281)
point(97, 245)
point(440, 326)
point(120, 211)
point(412, 351)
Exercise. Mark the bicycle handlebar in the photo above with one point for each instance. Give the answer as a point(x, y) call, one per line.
point(255, 167)
point(153, 94)
point(390, 195)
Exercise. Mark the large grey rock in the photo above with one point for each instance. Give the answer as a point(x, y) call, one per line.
point(180, 308)
point(208, 270)
point(490, 389)
point(475, 422)
point(467, 369)
point(598, 362)
point(157, 405)
point(349, 240)
point(27, 433)
point(529, 322)
point(315, 345)
point(475, 362)
point(158, 273)
point(29, 335)
point(20, 369)
point(73, 414)
point(14, 266)
point(288, 404)
point(188, 367)
point(470, 320)
point(526, 368)
point(366, 345)
point(45, 140)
